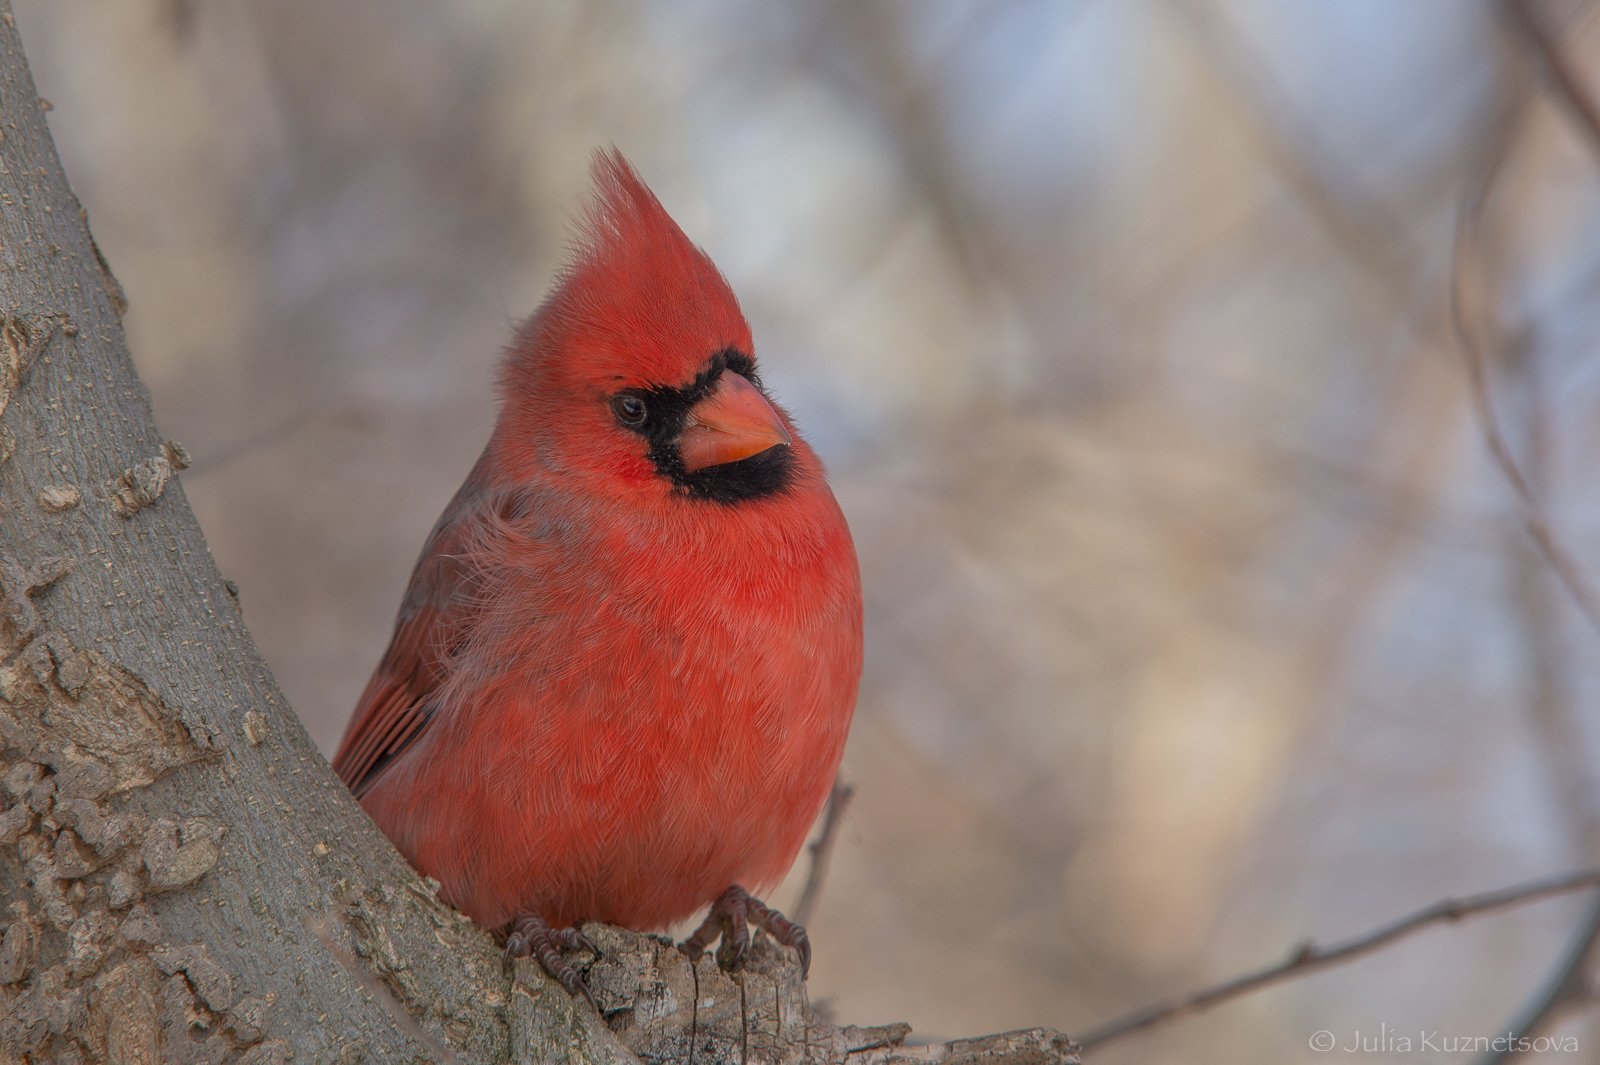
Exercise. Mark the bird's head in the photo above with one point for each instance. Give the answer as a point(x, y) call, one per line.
point(638, 372)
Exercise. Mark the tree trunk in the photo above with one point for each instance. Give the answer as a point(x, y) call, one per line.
point(183, 877)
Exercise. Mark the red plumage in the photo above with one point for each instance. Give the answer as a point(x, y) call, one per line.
point(622, 674)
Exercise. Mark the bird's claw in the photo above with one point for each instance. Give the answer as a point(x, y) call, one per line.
point(730, 917)
point(530, 936)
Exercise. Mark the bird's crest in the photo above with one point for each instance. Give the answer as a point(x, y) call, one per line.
point(637, 301)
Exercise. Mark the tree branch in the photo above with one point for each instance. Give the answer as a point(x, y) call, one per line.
point(821, 850)
point(1529, 509)
point(1569, 87)
point(1307, 956)
point(1567, 987)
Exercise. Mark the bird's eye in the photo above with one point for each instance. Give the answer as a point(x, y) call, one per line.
point(630, 409)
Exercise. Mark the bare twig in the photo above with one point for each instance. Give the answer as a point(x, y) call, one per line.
point(1569, 87)
point(1565, 990)
point(1530, 511)
point(1567, 987)
point(1552, 709)
point(822, 850)
point(1415, 423)
point(271, 436)
point(1307, 956)
point(1365, 228)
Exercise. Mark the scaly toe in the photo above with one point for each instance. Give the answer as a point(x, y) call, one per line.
point(531, 936)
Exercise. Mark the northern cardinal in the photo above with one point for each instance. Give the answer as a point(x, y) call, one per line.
point(621, 677)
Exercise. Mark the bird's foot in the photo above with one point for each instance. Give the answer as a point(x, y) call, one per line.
point(529, 935)
point(730, 916)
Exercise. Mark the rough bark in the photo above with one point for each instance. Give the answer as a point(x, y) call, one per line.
point(181, 876)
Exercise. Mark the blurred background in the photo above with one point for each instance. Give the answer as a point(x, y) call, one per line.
point(1201, 621)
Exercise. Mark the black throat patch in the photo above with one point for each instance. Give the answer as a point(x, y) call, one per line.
point(667, 412)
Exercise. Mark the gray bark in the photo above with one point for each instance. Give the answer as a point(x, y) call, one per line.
point(182, 878)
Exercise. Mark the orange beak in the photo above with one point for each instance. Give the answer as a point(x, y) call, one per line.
point(734, 422)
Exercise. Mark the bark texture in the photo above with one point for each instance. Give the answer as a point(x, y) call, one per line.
point(181, 876)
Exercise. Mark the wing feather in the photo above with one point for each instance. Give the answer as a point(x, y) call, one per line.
point(437, 613)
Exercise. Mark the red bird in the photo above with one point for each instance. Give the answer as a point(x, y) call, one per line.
point(621, 677)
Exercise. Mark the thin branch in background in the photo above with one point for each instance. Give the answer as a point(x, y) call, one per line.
point(1569, 87)
point(1552, 709)
point(1567, 988)
point(1307, 956)
point(1374, 237)
point(1362, 235)
point(822, 850)
point(270, 437)
point(1414, 424)
point(1530, 511)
